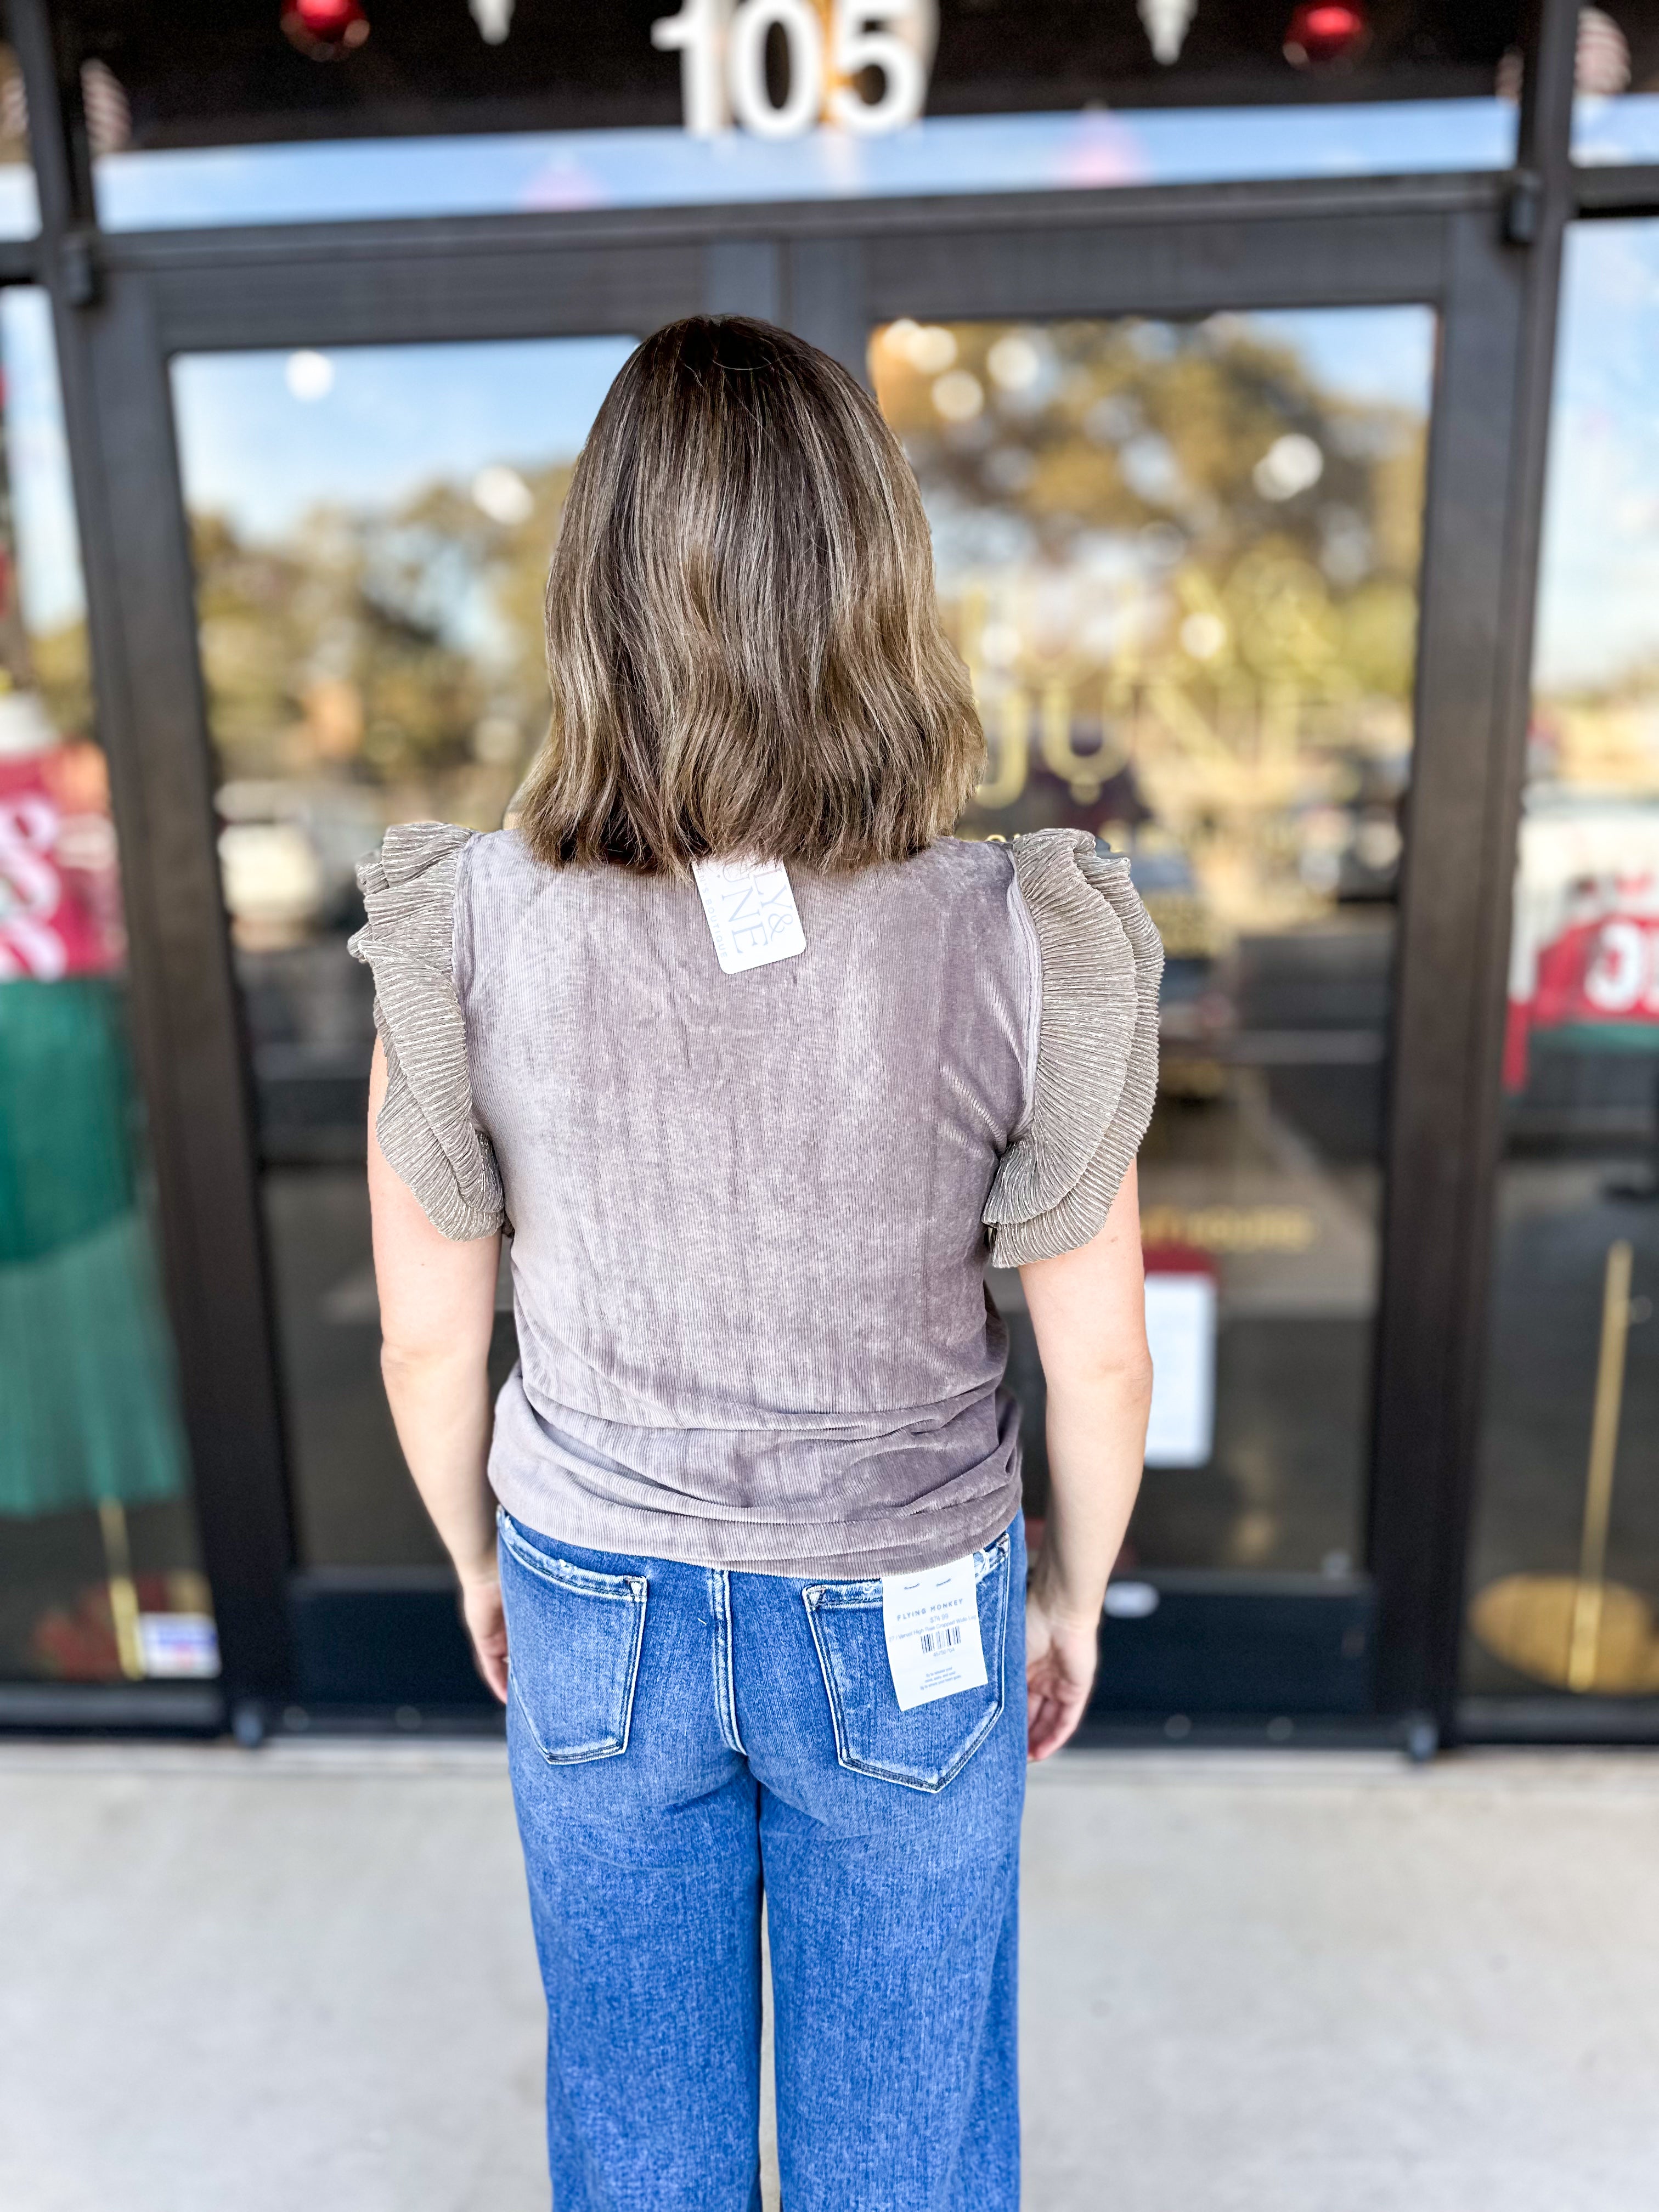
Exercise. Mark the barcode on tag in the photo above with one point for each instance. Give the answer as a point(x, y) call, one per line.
point(750, 910)
point(931, 1624)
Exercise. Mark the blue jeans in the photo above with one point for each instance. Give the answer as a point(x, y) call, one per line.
point(680, 1736)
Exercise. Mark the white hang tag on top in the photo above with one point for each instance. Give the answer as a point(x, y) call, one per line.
point(751, 911)
point(931, 1621)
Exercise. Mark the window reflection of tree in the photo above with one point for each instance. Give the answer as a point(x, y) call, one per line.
point(1182, 572)
point(395, 650)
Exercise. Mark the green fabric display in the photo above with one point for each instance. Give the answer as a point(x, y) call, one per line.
point(87, 1408)
point(65, 1149)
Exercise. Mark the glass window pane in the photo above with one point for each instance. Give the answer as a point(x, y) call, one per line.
point(1085, 151)
point(371, 529)
point(100, 1575)
point(1180, 561)
point(1566, 1571)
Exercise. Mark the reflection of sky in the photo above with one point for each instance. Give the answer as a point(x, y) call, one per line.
point(1367, 354)
point(494, 172)
point(1627, 129)
point(37, 461)
point(20, 205)
point(396, 418)
point(1599, 602)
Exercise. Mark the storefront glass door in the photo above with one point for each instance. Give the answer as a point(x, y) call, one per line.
point(1181, 560)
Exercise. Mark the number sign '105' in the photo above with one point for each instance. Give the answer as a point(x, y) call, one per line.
point(723, 53)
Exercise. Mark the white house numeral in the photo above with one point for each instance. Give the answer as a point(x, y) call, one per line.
point(723, 47)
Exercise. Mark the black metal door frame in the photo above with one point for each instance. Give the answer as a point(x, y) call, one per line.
point(1482, 251)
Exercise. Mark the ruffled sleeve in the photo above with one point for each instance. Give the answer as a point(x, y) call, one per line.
point(426, 1126)
point(1097, 1057)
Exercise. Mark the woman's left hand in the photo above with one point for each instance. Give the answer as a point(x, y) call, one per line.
point(486, 1624)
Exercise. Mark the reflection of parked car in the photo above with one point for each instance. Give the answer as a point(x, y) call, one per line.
point(1163, 876)
point(1312, 1008)
point(272, 880)
point(288, 853)
point(1368, 865)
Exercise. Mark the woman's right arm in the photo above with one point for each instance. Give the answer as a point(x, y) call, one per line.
point(437, 1310)
point(1089, 1311)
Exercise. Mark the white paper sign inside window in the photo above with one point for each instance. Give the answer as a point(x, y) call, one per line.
point(1180, 1323)
point(182, 1644)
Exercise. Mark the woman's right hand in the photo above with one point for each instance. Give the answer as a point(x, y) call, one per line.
point(1059, 1673)
point(486, 1624)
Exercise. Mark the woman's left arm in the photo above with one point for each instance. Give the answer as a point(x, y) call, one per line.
point(437, 1310)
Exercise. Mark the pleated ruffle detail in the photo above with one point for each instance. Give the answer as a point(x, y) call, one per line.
point(1096, 1072)
point(426, 1126)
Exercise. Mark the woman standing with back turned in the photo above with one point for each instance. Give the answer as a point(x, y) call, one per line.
point(756, 1594)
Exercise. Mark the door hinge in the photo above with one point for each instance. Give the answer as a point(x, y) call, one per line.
point(77, 262)
point(1524, 206)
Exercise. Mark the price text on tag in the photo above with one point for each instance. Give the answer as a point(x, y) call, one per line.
point(751, 911)
point(931, 1621)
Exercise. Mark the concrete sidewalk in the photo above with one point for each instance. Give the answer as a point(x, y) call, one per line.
point(301, 1981)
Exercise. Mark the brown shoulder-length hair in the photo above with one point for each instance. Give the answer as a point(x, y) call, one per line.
point(742, 636)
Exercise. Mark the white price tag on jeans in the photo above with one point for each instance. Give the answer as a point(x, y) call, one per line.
point(751, 911)
point(931, 1621)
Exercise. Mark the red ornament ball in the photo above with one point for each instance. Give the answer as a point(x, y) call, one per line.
point(324, 29)
point(1325, 34)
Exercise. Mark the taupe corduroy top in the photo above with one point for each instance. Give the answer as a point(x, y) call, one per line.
point(750, 1214)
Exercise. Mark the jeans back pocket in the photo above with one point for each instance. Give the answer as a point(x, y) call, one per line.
point(929, 1745)
point(574, 1640)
